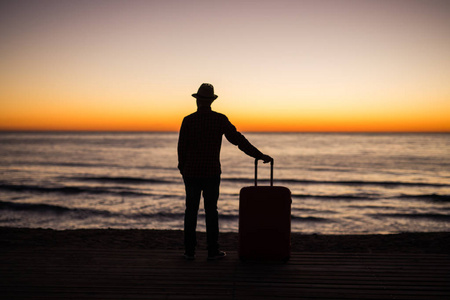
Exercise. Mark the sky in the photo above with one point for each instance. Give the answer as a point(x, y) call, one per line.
point(307, 66)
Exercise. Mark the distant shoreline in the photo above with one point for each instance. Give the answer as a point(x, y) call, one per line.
point(28, 238)
point(54, 131)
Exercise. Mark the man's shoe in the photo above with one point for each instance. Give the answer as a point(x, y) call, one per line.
point(216, 255)
point(189, 256)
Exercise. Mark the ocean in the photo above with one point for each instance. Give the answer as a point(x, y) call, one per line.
point(351, 183)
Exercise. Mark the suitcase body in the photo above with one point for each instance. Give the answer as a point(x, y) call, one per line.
point(265, 222)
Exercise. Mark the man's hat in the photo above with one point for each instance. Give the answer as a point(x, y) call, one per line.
point(205, 91)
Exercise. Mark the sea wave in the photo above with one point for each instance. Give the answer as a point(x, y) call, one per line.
point(49, 208)
point(310, 219)
point(121, 179)
point(84, 213)
point(335, 197)
point(365, 196)
point(431, 216)
point(86, 165)
point(60, 164)
point(80, 212)
point(72, 190)
point(430, 197)
point(122, 191)
point(339, 182)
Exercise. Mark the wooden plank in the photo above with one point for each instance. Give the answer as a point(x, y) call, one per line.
point(136, 274)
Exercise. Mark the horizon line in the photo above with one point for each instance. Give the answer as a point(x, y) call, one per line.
point(176, 131)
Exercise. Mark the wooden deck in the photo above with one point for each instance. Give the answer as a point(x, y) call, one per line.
point(154, 274)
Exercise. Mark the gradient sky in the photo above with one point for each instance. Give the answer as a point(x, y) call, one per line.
point(276, 65)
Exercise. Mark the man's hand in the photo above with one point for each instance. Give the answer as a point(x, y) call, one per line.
point(266, 158)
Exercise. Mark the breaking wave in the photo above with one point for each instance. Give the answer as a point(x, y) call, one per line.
point(84, 213)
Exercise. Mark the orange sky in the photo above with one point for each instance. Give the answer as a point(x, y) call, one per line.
point(276, 65)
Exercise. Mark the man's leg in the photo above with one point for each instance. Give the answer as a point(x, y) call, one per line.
point(193, 193)
point(211, 196)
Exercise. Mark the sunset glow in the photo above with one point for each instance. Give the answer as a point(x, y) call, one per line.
point(276, 65)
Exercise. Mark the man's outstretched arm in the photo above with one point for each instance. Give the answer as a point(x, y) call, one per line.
point(236, 138)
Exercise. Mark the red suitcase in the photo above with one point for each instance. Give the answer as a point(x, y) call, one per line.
point(265, 221)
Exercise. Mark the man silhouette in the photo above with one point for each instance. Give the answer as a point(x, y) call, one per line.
point(199, 146)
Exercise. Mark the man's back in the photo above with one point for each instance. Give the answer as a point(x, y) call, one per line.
point(200, 142)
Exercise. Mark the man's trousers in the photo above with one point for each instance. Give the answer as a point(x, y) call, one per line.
point(194, 188)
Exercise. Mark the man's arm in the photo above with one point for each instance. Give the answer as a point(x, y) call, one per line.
point(236, 138)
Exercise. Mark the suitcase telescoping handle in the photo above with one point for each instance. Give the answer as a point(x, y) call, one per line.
point(256, 172)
